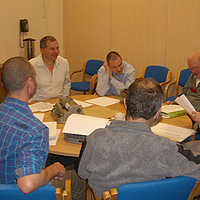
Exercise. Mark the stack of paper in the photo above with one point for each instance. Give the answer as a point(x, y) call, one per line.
point(83, 124)
point(169, 111)
point(185, 103)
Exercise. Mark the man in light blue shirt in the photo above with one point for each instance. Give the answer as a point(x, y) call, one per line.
point(114, 75)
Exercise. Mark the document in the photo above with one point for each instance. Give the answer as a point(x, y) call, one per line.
point(83, 124)
point(40, 116)
point(170, 111)
point(41, 106)
point(54, 141)
point(52, 129)
point(185, 103)
point(83, 104)
point(103, 101)
point(175, 133)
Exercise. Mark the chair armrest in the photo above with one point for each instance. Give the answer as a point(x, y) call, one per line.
point(168, 85)
point(67, 193)
point(113, 193)
point(59, 192)
point(142, 75)
point(195, 127)
point(76, 71)
point(195, 192)
point(168, 79)
point(106, 196)
point(110, 195)
point(92, 82)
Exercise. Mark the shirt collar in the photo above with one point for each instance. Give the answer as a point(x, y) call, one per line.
point(41, 62)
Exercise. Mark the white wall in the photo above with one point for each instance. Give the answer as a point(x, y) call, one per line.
point(12, 11)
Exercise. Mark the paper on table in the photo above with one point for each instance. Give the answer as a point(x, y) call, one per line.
point(83, 104)
point(172, 132)
point(83, 124)
point(52, 129)
point(40, 116)
point(171, 108)
point(54, 141)
point(103, 101)
point(185, 103)
point(41, 106)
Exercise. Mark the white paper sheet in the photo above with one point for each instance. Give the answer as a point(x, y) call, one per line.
point(172, 132)
point(40, 116)
point(103, 101)
point(52, 129)
point(54, 141)
point(41, 106)
point(185, 103)
point(171, 108)
point(83, 104)
point(83, 124)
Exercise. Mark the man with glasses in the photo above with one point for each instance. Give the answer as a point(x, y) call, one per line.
point(114, 75)
point(192, 87)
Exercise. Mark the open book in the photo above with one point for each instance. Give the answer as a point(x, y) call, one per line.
point(185, 103)
point(169, 111)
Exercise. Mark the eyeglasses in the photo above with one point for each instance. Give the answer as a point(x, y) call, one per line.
point(193, 68)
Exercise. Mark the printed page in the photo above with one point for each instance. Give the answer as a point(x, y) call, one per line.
point(175, 133)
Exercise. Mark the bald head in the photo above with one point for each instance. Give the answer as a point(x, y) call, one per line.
point(194, 64)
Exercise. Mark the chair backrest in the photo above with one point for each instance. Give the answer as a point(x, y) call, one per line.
point(92, 66)
point(183, 77)
point(159, 73)
point(164, 189)
point(12, 192)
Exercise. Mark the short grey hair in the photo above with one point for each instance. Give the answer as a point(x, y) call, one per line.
point(44, 40)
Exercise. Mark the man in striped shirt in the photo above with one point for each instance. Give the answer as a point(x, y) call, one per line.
point(24, 140)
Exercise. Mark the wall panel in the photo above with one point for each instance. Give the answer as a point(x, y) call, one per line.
point(139, 31)
point(183, 34)
point(87, 31)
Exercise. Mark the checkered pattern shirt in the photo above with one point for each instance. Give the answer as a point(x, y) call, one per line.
point(24, 141)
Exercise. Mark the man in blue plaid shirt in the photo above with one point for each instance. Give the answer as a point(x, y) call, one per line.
point(24, 140)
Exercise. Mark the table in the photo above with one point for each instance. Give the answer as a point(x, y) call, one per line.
point(70, 149)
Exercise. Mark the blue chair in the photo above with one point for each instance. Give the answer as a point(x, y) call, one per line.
point(180, 81)
point(46, 192)
point(90, 68)
point(159, 73)
point(12, 192)
point(177, 188)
